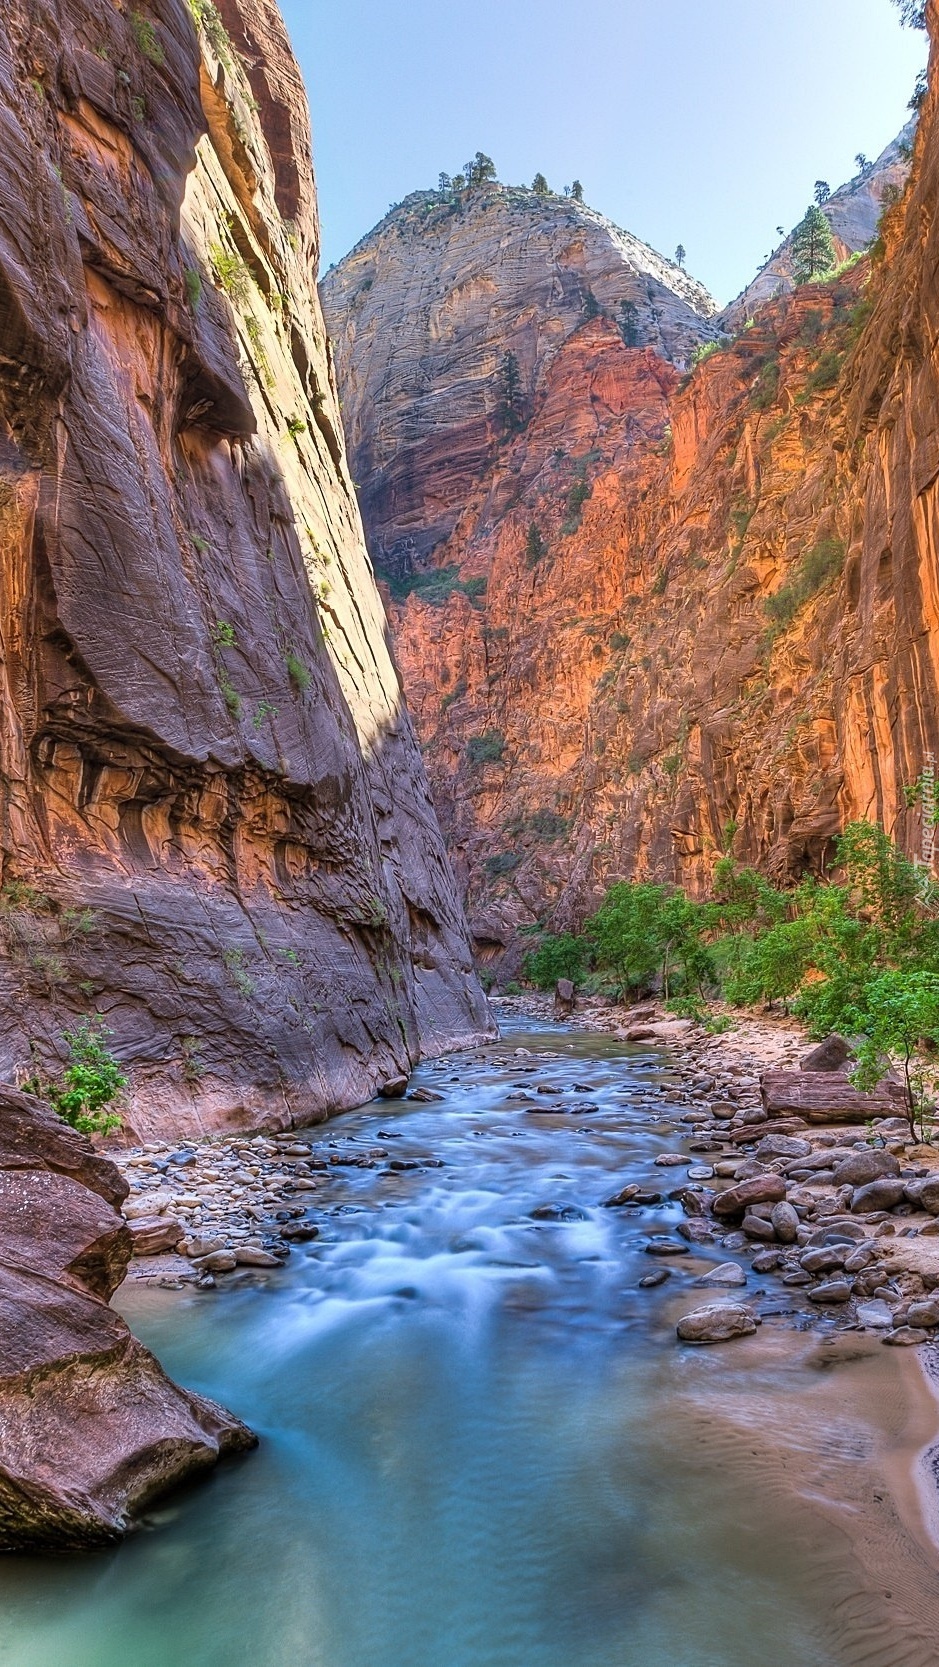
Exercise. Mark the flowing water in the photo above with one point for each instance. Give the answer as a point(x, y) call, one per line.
point(482, 1445)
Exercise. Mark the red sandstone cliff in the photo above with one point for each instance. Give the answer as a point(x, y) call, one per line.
point(215, 827)
point(722, 631)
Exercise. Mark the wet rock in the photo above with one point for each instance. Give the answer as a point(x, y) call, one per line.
point(768, 1261)
point(299, 1232)
point(726, 1273)
point(864, 1166)
point(557, 1212)
point(153, 1235)
point(666, 1247)
point(394, 1088)
point(717, 1323)
point(878, 1195)
point(696, 1232)
point(761, 1189)
point(255, 1256)
point(785, 1222)
point(626, 1195)
point(877, 1315)
point(833, 1291)
point(671, 1160)
point(425, 1096)
point(906, 1337)
point(830, 1055)
point(658, 1277)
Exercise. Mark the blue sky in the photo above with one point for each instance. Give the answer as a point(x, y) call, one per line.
point(704, 122)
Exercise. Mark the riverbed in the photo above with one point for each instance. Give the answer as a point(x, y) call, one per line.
point(481, 1443)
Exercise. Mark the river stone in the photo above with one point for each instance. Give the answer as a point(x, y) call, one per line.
point(667, 1247)
point(557, 1212)
point(671, 1160)
point(824, 1259)
point(924, 1313)
point(877, 1315)
point(785, 1222)
point(425, 1096)
point(700, 1172)
point(878, 1195)
point(726, 1273)
point(860, 1258)
point(834, 1290)
point(844, 1231)
point(299, 1232)
point(394, 1088)
point(255, 1256)
point(153, 1235)
point(760, 1189)
point(717, 1323)
point(862, 1167)
point(906, 1336)
point(217, 1261)
point(782, 1146)
point(768, 1261)
point(657, 1277)
point(757, 1227)
point(627, 1195)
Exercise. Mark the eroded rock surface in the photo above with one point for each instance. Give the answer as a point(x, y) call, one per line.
point(91, 1429)
point(215, 826)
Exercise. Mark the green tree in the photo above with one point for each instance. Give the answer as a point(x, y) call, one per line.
point(559, 955)
point(540, 186)
point(629, 323)
point(511, 407)
point(680, 256)
point(861, 163)
point(481, 169)
point(445, 184)
point(822, 191)
point(577, 191)
point(899, 1017)
point(591, 305)
point(646, 931)
point(813, 251)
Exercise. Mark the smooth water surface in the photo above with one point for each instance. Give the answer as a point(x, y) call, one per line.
point(481, 1444)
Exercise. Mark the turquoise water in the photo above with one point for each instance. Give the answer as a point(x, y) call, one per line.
point(481, 1444)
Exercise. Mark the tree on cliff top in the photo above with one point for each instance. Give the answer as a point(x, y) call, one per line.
point(680, 256)
point(822, 191)
point(577, 191)
point(481, 169)
point(912, 13)
point(540, 186)
point(813, 251)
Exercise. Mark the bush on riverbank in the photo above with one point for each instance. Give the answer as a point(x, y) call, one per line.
point(819, 949)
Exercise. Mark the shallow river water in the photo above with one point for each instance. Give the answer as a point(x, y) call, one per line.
point(482, 1445)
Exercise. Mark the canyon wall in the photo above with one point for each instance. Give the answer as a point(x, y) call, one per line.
point(215, 827)
point(676, 615)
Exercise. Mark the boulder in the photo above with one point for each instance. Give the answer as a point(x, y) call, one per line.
point(830, 1055)
point(827, 1097)
point(91, 1428)
point(394, 1088)
point(761, 1189)
point(833, 1291)
point(928, 1196)
point(726, 1273)
point(863, 1166)
point(757, 1227)
point(882, 1194)
point(565, 998)
point(717, 1323)
point(906, 1336)
point(152, 1235)
point(782, 1146)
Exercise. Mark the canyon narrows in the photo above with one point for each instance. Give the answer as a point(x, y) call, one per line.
point(215, 828)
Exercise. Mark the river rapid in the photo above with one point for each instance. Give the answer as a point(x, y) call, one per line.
point(481, 1443)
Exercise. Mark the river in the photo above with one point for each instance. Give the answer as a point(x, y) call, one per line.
point(482, 1445)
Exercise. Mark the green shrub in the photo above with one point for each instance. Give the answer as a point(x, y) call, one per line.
point(90, 1083)
point(231, 272)
point(818, 567)
point(297, 671)
point(436, 585)
point(504, 862)
point(206, 17)
point(487, 748)
point(576, 498)
point(147, 39)
point(535, 546)
point(193, 280)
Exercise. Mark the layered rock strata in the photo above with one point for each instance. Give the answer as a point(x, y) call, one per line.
point(91, 1429)
point(215, 827)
